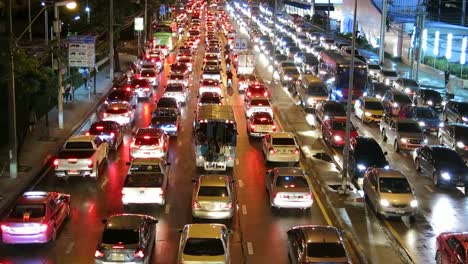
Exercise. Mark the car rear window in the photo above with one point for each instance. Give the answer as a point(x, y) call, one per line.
point(145, 168)
point(144, 180)
point(116, 111)
point(291, 182)
point(283, 141)
point(325, 250)
point(174, 88)
point(99, 128)
point(79, 145)
point(148, 73)
point(263, 119)
point(317, 90)
point(120, 236)
point(213, 191)
point(261, 102)
point(204, 247)
point(147, 141)
point(34, 210)
point(167, 103)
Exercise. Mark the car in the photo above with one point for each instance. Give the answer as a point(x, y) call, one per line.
point(430, 98)
point(121, 113)
point(389, 193)
point(212, 70)
point(146, 181)
point(455, 111)
point(279, 58)
point(260, 124)
point(451, 247)
point(149, 143)
point(317, 50)
point(427, 118)
point(127, 238)
point(210, 98)
point(334, 130)
point(35, 218)
point(406, 85)
point(180, 68)
point(443, 165)
point(167, 119)
point(316, 244)
point(311, 90)
point(187, 61)
point(244, 80)
point(377, 90)
point(288, 75)
point(149, 74)
point(309, 64)
point(373, 70)
point(168, 103)
point(287, 187)
point(256, 90)
point(178, 78)
point(328, 43)
point(387, 76)
point(210, 85)
point(142, 88)
point(402, 133)
point(365, 152)
point(177, 91)
point(455, 135)
point(292, 51)
point(109, 131)
point(280, 147)
point(204, 243)
point(213, 197)
point(368, 109)
point(328, 109)
point(394, 101)
point(257, 104)
point(121, 96)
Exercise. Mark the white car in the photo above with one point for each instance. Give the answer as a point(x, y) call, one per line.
point(121, 113)
point(281, 147)
point(204, 243)
point(150, 75)
point(288, 188)
point(178, 78)
point(177, 91)
point(210, 85)
point(257, 104)
point(387, 76)
point(149, 143)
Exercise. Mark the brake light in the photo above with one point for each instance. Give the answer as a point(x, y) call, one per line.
point(252, 126)
point(43, 227)
point(308, 196)
point(147, 56)
point(274, 128)
point(147, 89)
point(146, 137)
point(118, 247)
point(195, 205)
point(98, 254)
point(296, 151)
point(128, 89)
point(90, 163)
point(139, 254)
point(4, 227)
point(249, 93)
point(99, 127)
point(272, 151)
point(126, 114)
point(265, 94)
point(106, 114)
point(112, 134)
point(228, 205)
point(73, 160)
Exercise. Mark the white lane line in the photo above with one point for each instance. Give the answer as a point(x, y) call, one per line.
point(237, 161)
point(428, 188)
point(250, 248)
point(241, 184)
point(244, 209)
point(104, 182)
point(168, 207)
point(69, 248)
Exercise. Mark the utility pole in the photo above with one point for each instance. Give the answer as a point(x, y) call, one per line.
point(344, 188)
point(463, 14)
point(29, 20)
point(146, 21)
point(111, 40)
point(328, 17)
point(421, 20)
point(383, 28)
point(58, 28)
point(46, 27)
point(13, 139)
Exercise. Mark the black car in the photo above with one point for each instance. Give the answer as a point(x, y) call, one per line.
point(430, 98)
point(127, 238)
point(328, 109)
point(167, 102)
point(179, 68)
point(377, 90)
point(166, 119)
point(444, 165)
point(121, 96)
point(365, 152)
point(210, 98)
point(455, 111)
point(455, 136)
point(109, 131)
point(309, 63)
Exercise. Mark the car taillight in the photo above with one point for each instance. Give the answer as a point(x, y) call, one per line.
point(272, 151)
point(98, 254)
point(5, 227)
point(56, 162)
point(249, 93)
point(274, 128)
point(195, 205)
point(112, 134)
point(106, 114)
point(296, 151)
point(308, 196)
point(252, 126)
point(147, 89)
point(139, 254)
point(87, 133)
point(228, 205)
point(43, 227)
point(265, 94)
point(118, 247)
point(124, 192)
point(126, 114)
point(90, 163)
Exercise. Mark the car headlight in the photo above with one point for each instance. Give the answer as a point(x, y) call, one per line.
point(310, 101)
point(395, 105)
point(339, 93)
point(421, 123)
point(465, 119)
point(337, 138)
point(444, 103)
point(430, 102)
point(404, 140)
point(460, 144)
point(378, 96)
point(326, 117)
point(368, 113)
point(387, 81)
point(414, 203)
point(361, 167)
point(387, 167)
point(425, 141)
point(384, 202)
point(441, 124)
point(287, 78)
point(445, 176)
point(407, 90)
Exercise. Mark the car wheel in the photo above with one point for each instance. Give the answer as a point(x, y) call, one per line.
point(97, 171)
point(396, 146)
point(435, 179)
point(68, 212)
point(417, 164)
point(384, 136)
point(54, 235)
point(438, 257)
point(412, 218)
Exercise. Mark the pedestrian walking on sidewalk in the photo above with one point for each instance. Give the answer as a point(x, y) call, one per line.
point(448, 86)
point(67, 93)
point(32, 119)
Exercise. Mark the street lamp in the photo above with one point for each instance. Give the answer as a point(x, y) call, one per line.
point(57, 29)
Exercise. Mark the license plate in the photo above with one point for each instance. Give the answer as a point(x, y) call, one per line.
point(118, 257)
point(73, 172)
point(399, 211)
point(146, 152)
point(142, 192)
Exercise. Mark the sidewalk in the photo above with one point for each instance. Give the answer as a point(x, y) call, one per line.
point(44, 142)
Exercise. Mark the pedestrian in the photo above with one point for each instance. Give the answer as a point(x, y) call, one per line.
point(32, 119)
point(85, 75)
point(228, 64)
point(448, 86)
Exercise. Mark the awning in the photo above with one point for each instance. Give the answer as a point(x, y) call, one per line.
point(323, 7)
point(298, 5)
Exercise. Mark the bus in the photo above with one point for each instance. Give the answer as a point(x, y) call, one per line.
point(165, 33)
point(334, 71)
point(215, 132)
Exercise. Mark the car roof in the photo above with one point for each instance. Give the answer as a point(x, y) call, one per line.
point(117, 105)
point(125, 221)
point(320, 233)
point(405, 120)
point(213, 180)
point(79, 138)
point(281, 135)
point(289, 171)
point(34, 197)
point(390, 173)
point(205, 230)
point(370, 99)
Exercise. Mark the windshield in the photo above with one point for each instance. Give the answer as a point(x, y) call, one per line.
point(432, 94)
point(317, 90)
point(374, 106)
point(463, 108)
point(261, 102)
point(390, 73)
point(154, 180)
point(174, 88)
point(291, 182)
point(210, 98)
point(402, 98)
point(120, 236)
point(371, 155)
point(325, 250)
point(34, 210)
point(335, 108)
point(204, 247)
point(409, 127)
point(284, 141)
point(461, 133)
point(148, 73)
point(394, 185)
point(288, 64)
point(291, 71)
point(448, 156)
point(213, 191)
point(373, 67)
point(409, 82)
point(425, 113)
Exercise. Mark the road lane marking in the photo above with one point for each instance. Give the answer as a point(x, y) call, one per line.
point(319, 202)
point(400, 241)
point(168, 207)
point(237, 161)
point(428, 188)
point(104, 182)
point(241, 184)
point(69, 248)
point(250, 248)
point(244, 209)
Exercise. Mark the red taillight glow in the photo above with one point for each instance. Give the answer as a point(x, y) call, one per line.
point(128, 89)
point(146, 137)
point(87, 134)
point(139, 254)
point(4, 227)
point(106, 114)
point(118, 247)
point(228, 205)
point(90, 163)
point(265, 94)
point(56, 162)
point(98, 254)
point(272, 151)
point(99, 127)
point(43, 227)
point(296, 151)
point(146, 89)
point(112, 134)
point(196, 205)
point(273, 127)
point(249, 93)
point(308, 196)
point(252, 126)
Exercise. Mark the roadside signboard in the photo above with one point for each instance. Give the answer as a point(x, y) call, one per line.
point(81, 51)
point(139, 24)
point(241, 44)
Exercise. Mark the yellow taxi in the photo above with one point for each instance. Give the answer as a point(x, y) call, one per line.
point(368, 109)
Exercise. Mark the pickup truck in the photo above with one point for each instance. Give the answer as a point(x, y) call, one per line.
point(81, 156)
point(403, 133)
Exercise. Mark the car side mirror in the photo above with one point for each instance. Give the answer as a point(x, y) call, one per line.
point(104, 221)
point(127, 163)
point(194, 180)
point(168, 163)
point(180, 231)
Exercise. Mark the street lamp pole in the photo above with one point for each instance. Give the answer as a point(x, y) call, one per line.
point(29, 19)
point(146, 21)
point(12, 134)
point(46, 27)
point(111, 40)
point(463, 14)
point(383, 25)
point(58, 28)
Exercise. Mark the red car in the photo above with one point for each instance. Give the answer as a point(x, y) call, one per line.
point(36, 218)
point(452, 248)
point(334, 130)
point(256, 90)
